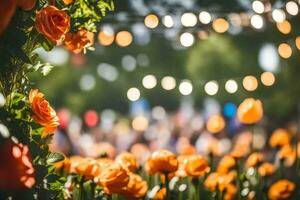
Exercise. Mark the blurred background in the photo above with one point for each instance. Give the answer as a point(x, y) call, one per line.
point(161, 68)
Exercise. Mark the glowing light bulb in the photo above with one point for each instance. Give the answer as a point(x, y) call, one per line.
point(168, 83)
point(123, 38)
point(285, 50)
point(149, 81)
point(133, 94)
point(258, 7)
point(278, 15)
point(189, 19)
point(185, 87)
point(284, 27)
point(231, 86)
point(257, 21)
point(292, 8)
point(168, 21)
point(204, 17)
point(220, 25)
point(267, 78)
point(187, 39)
point(211, 88)
point(151, 21)
point(250, 83)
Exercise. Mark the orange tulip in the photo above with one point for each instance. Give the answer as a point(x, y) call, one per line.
point(43, 113)
point(196, 166)
point(88, 168)
point(74, 161)
point(288, 154)
point(254, 159)
point(76, 42)
point(7, 10)
point(282, 189)
point(161, 194)
point(52, 23)
point(136, 188)
point(280, 137)
point(216, 181)
point(215, 124)
point(128, 161)
point(250, 111)
point(226, 164)
point(266, 169)
point(162, 161)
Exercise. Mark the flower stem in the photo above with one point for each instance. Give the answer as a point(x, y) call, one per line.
point(167, 186)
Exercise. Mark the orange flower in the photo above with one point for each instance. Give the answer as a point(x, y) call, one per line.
point(74, 161)
point(281, 189)
point(250, 111)
point(88, 168)
point(196, 166)
point(288, 154)
point(160, 195)
point(68, 2)
point(229, 192)
point(216, 181)
point(136, 188)
point(280, 137)
point(43, 113)
point(52, 23)
point(226, 164)
point(26, 4)
point(254, 159)
point(211, 182)
point(266, 169)
point(128, 161)
point(7, 10)
point(215, 124)
point(114, 179)
point(64, 164)
point(76, 42)
point(163, 161)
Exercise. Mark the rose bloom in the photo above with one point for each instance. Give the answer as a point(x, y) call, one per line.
point(136, 187)
point(226, 164)
point(52, 23)
point(215, 124)
point(163, 161)
point(7, 10)
point(43, 113)
point(76, 42)
point(266, 169)
point(250, 111)
point(128, 161)
point(196, 166)
point(279, 138)
point(114, 179)
point(281, 189)
point(254, 159)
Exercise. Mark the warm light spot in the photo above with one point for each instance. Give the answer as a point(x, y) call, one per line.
point(105, 38)
point(298, 42)
point(211, 88)
point(205, 17)
point(278, 15)
point(285, 50)
point(149, 81)
point(257, 21)
point(284, 27)
point(231, 86)
point(250, 83)
point(133, 94)
point(168, 83)
point(185, 87)
point(124, 38)
point(292, 8)
point(188, 19)
point(203, 35)
point(258, 7)
point(91, 118)
point(140, 123)
point(267, 78)
point(151, 21)
point(220, 25)
point(168, 21)
point(187, 39)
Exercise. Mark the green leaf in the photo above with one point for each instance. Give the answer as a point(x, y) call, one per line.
point(45, 70)
point(46, 44)
point(55, 157)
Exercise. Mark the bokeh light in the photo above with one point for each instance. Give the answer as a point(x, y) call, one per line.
point(204, 17)
point(297, 41)
point(257, 21)
point(292, 8)
point(151, 21)
point(231, 86)
point(284, 27)
point(267, 78)
point(149, 81)
point(124, 38)
point(2, 100)
point(129, 63)
point(185, 87)
point(187, 39)
point(285, 50)
point(140, 123)
point(278, 15)
point(168, 21)
point(87, 82)
point(220, 25)
point(189, 20)
point(168, 83)
point(158, 113)
point(258, 7)
point(106, 38)
point(250, 83)
point(91, 118)
point(268, 58)
point(108, 72)
point(229, 110)
point(211, 88)
point(133, 94)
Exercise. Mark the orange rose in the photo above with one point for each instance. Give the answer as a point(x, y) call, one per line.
point(215, 124)
point(43, 113)
point(196, 166)
point(254, 159)
point(128, 161)
point(282, 189)
point(7, 10)
point(52, 23)
point(226, 164)
point(250, 111)
point(280, 137)
point(76, 42)
point(266, 169)
point(114, 179)
point(163, 161)
point(26, 4)
point(136, 188)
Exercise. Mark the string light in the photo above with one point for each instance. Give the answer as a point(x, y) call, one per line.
point(168, 83)
point(187, 39)
point(231, 86)
point(257, 21)
point(267, 78)
point(149, 81)
point(292, 8)
point(298, 42)
point(140, 123)
point(124, 38)
point(133, 94)
point(204, 17)
point(284, 27)
point(168, 21)
point(250, 83)
point(278, 15)
point(285, 50)
point(258, 7)
point(220, 25)
point(105, 38)
point(189, 20)
point(211, 88)
point(185, 87)
point(151, 21)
